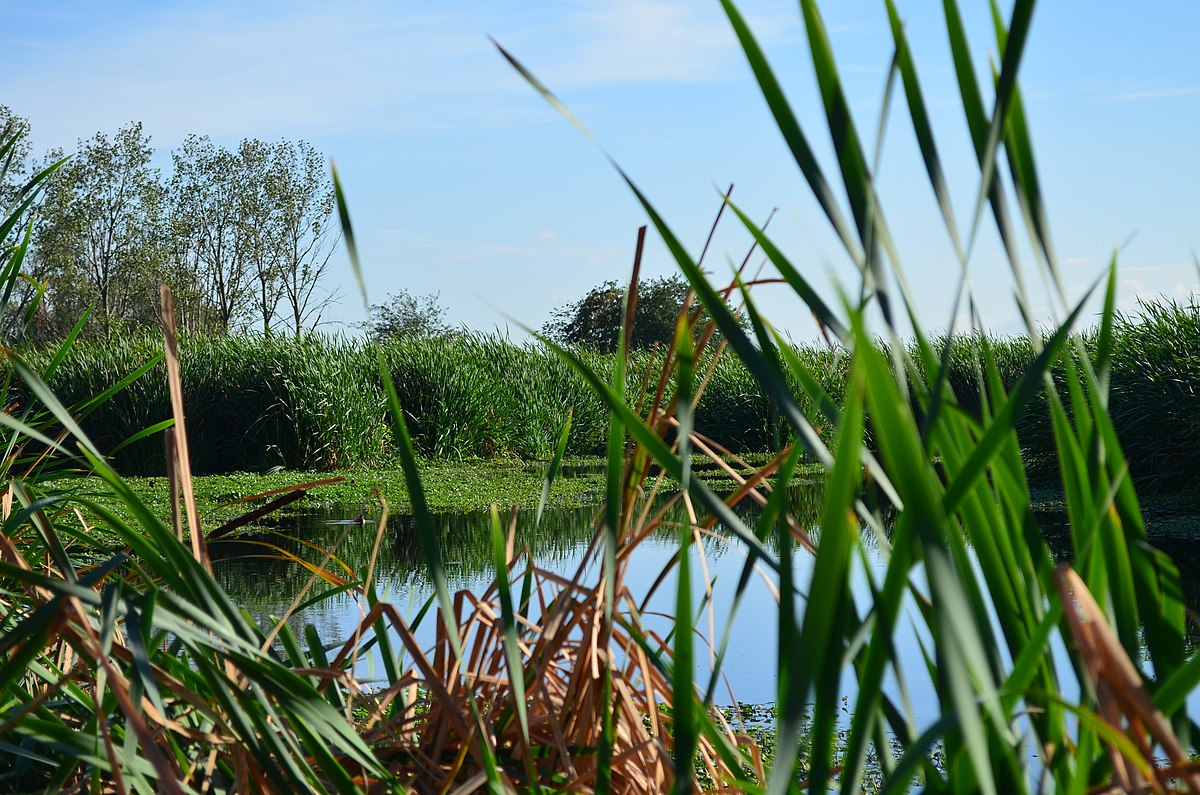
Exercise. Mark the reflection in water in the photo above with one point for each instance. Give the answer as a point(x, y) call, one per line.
point(1178, 535)
point(255, 573)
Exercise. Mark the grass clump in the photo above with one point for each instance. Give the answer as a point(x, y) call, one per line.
point(1154, 396)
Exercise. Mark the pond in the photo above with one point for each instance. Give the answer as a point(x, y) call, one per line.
point(255, 573)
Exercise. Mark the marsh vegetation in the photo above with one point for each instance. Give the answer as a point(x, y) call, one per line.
point(127, 666)
point(316, 400)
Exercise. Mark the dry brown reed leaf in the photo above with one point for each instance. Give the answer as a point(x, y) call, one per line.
point(1122, 695)
point(569, 648)
point(181, 461)
point(437, 748)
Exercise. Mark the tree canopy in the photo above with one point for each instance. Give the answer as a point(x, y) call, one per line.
point(243, 235)
point(405, 316)
point(594, 321)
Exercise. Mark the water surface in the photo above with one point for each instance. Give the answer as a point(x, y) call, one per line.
point(252, 571)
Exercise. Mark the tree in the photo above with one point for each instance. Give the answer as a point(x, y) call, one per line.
point(14, 155)
point(256, 226)
point(16, 196)
point(259, 234)
point(407, 316)
point(243, 237)
point(100, 231)
point(303, 200)
point(206, 201)
point(594, 321)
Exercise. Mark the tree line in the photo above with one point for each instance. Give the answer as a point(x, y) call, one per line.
point(243, 235)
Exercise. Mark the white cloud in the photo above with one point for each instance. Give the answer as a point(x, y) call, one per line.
point(557, 252)
point(547, 235)
point(1183, 292)
point(310, 69)
point(627, 41)
point(1133, 292)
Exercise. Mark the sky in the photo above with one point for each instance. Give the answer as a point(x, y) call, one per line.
point(462, 181)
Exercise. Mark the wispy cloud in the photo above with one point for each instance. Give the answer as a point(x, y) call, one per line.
point(543, 252)
point(1158, 282)
point(307, 68)
point(1165, 92)
point(635, 41)
point(284, 68)
point(628, 41)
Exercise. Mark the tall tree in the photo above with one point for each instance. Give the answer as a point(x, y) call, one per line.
point(15, 154)
point(206, 207)
point(99, 234)
point(258, 229)
point(243, 237)
point(15, 199)
point(303, 200)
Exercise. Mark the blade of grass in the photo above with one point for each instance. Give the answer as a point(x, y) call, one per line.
point(560, 450)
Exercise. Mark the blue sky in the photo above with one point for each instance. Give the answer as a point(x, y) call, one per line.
point(462, 181)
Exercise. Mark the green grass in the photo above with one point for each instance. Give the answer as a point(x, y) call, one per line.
point(451, 487)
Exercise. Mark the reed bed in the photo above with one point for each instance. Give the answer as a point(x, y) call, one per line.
point(317, 400)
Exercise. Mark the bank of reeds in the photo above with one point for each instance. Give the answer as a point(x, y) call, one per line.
point(316, 402)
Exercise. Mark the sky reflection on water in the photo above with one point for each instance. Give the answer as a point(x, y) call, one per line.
point(267, 586)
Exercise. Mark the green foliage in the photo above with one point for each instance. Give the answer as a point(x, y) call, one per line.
point(1153, 400)
point(14, 164)
point(594, 321)
point(98, 239)
point(966, 552)
point(137, 671)
point(244, 237)
point(99, 644)
point(405, 316)
point(315, 401)
point(315, 398)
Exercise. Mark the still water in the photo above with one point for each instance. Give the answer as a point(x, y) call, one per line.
point(257, 575)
